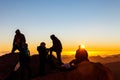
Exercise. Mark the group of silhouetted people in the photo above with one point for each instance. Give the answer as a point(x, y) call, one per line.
point(45, 54)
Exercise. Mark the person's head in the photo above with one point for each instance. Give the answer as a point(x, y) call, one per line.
point(42, 44)
point(52, 36)
point(17, 31)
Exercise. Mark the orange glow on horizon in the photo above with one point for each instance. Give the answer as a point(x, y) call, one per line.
point(102, 53)
point(69, 49)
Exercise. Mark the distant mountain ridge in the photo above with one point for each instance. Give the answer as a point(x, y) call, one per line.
point(103, 60)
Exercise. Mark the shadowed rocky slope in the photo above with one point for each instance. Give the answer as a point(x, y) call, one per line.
point(115, 68)
point(84, 71)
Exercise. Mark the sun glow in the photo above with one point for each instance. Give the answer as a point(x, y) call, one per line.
point(82, 46)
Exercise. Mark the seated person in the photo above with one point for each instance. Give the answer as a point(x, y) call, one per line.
point(81, 55)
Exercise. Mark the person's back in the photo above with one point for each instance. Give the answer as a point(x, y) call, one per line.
point(19, 38)
point(81, 55)
point(56, 43)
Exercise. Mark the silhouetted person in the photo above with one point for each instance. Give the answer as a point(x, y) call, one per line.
point(19, 39)
point(57, 47)
point(43, 53)
point(24, 61)
point(81, 55)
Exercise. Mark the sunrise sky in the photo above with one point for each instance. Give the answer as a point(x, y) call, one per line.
point(94, 23)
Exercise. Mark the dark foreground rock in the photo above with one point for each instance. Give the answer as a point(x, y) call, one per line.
point(84, 71)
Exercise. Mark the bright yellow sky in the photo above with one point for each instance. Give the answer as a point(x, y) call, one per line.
point(93, 50)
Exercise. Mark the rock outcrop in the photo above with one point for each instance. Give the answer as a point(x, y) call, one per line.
point(84, 71)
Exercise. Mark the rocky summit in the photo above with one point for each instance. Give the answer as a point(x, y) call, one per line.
point(84, 71)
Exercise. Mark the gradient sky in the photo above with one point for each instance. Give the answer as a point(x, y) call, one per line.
point(94, 23)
